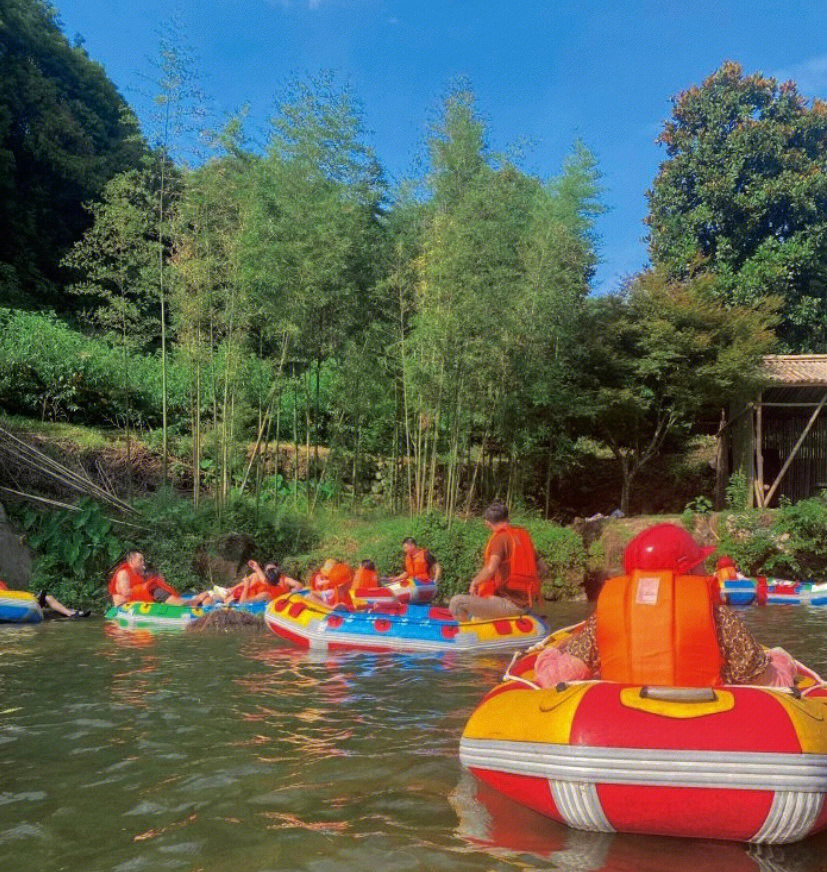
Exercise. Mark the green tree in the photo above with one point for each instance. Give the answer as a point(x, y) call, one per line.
point(64, 132)
point(743, 195)
point(652, 358)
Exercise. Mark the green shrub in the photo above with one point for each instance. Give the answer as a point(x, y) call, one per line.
point(790, 542)
point(73, 551)
point(176, 531)
point(459, 548)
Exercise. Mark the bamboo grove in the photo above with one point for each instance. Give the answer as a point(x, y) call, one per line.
point(427, 344)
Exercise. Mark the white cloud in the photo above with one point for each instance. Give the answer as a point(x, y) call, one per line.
point(809, 75)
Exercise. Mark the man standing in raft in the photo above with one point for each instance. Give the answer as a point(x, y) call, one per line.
point(509, 582)
point(662, 624)
point(130, 584)
point(420, 564)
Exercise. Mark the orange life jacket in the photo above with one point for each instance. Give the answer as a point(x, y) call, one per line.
point(257, 586)
point(139, 590)
point(522, 579)
point(658, 628)
point(335, 588)
point(365, 578)
point(155, 582)
point(416, 565)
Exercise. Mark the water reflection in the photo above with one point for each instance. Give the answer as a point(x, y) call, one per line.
point(486, 818)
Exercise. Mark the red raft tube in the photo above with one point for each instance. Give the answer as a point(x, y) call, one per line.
point(733, 762)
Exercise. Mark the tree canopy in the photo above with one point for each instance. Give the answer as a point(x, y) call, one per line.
point(743, 194)
point(64, 132)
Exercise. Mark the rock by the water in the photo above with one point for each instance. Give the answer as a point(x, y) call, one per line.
point(15, 557)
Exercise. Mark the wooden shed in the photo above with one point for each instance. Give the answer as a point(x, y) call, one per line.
point(779, 439)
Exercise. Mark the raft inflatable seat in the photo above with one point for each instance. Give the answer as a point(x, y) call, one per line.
point(19, 607)
point(746, 764)
point(160, 616)
point(395, 627)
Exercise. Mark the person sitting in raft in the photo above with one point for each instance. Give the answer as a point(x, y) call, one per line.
point(131, 583)
point(509, 582)
point(365, 578)
point(260, 585)
point(420, 564)
point(662, 624)
point(331, 585)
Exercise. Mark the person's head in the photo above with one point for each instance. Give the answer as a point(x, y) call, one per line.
point(665, 548)
point(272, 572)
point(409, 544)
point(327, 567)
point(136, 560)
point(496, 514)
point(368, 564)
point(725, 562)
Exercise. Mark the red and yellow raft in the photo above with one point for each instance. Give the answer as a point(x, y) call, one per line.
point(741, 763)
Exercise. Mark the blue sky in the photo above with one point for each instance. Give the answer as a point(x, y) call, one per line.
point(548, 71)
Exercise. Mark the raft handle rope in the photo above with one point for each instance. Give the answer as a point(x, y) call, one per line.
point(509, 676)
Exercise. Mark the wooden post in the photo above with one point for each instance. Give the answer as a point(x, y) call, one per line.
point(721, 463)
point(796, 447)
point(759, 452)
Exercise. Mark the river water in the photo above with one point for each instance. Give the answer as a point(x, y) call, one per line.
point(235, 752)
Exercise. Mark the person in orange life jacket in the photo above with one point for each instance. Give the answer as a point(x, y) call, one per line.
point(129, 582)
point(419, 563)
point(331, 585)
point(260, 585)
point(509, 582)
point(662, 623)
point(263, 584)
point(366, 577)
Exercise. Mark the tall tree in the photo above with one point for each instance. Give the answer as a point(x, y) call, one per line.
point(655, 356)
point(64, 132)
point(743, 194)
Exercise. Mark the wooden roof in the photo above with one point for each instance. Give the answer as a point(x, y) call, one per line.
point(801, 370)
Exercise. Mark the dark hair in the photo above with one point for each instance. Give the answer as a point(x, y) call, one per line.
point(496, 513)
point(368, 564)
point(272, 573)
point(409, 540)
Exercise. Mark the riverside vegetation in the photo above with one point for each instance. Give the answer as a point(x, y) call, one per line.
point(322, 360)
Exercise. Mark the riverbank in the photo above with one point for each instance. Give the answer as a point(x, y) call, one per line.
point(74, 547)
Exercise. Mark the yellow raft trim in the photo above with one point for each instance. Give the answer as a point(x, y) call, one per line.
point(630, 697)
point(551, 718)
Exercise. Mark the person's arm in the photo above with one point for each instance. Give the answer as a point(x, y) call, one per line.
point(292, 583)
point(485, 574)
point(744, 659)
point(258, 572)
point(122, 588)
point(437, 571)
point(245, 590)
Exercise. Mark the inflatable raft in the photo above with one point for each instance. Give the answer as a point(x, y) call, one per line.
point(395, 628)
point(159, 616)
point(773, 591)
point(741, 763)
point(19, 607)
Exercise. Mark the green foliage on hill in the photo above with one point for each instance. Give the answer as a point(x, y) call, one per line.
point(64, 131)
